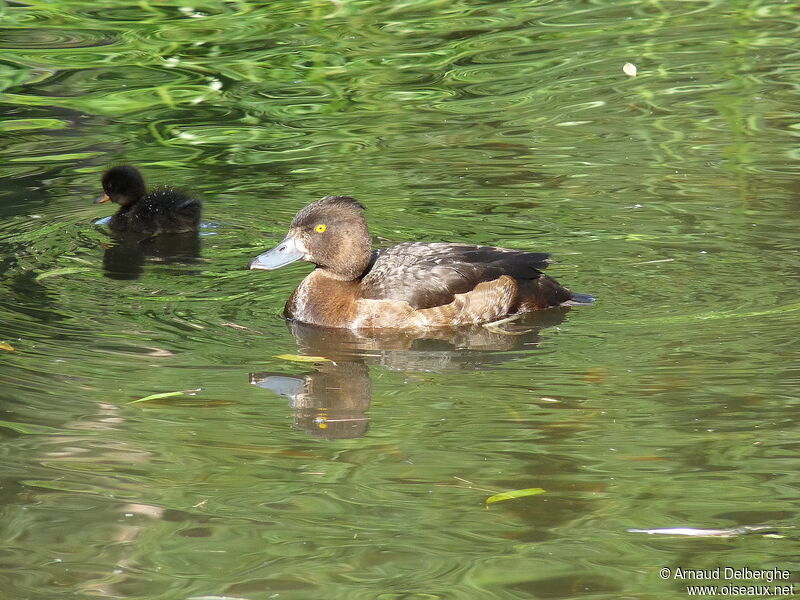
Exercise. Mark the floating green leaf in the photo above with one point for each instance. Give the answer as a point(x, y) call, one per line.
point(514, 494)
point(157, 397)
point(28, 428)
point(22, 124)
point(299, 358)
point(61, 271)
point(56, 157)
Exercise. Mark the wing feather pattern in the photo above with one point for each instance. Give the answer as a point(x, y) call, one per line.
point(430, 274)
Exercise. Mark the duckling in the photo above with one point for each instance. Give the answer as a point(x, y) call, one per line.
point(163, 210)
point(410, 285)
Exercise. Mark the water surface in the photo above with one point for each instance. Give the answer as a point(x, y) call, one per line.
point(670, 403)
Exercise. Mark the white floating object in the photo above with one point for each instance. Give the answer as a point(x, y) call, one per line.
point(692, 532)
point(629, 69)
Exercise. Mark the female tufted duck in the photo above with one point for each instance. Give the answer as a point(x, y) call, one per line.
point(163, 210)
point(410, 285)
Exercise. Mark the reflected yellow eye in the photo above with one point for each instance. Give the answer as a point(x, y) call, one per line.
point(320, 228)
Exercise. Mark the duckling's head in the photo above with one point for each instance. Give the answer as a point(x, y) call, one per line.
point(331, 233)
point(123, 185)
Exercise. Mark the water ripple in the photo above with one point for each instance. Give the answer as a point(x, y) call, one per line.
point(22, 38)
point(672, 195)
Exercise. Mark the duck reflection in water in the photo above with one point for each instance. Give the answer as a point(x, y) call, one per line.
point(127, 253)
point(331, 401)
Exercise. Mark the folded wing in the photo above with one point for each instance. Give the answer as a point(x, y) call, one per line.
point(431, 274)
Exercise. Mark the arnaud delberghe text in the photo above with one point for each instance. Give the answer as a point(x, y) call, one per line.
point(729, 573)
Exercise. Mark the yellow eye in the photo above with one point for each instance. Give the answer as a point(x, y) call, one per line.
point(320, 228)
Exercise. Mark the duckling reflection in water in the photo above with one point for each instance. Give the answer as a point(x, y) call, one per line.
point(410, 285)
point(162, 210)
point(127, 254)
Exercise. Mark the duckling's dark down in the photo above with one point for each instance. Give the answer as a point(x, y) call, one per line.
point(410, 285)
point(163, 210)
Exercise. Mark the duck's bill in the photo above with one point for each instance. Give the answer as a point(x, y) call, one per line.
point(281, 255)
point(103, 198)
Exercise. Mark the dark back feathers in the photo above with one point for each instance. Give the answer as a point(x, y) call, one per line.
point(431, 274)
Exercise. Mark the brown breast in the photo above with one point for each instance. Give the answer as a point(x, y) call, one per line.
point(323, 301)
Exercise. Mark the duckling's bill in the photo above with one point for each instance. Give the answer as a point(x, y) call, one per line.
point(287, 252)
point(103, 198)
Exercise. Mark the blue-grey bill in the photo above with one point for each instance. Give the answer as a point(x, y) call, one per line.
point(284, 253)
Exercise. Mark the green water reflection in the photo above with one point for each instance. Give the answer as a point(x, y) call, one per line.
point(670, 403)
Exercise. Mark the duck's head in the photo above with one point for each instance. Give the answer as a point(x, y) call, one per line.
point(123, 185)
point(331, 233)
